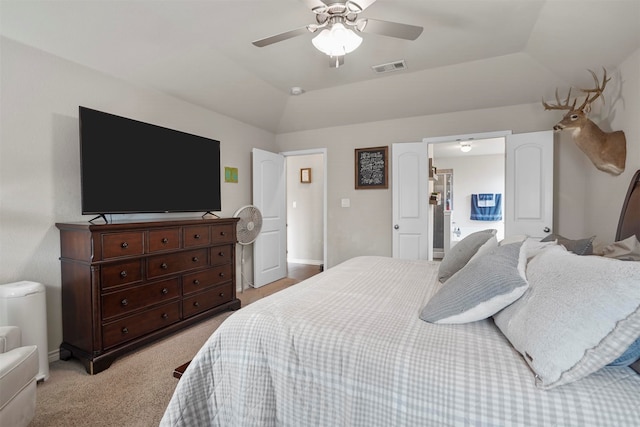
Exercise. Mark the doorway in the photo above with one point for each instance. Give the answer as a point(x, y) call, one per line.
point(306, 207)
point(478, 169)
point(527, 163)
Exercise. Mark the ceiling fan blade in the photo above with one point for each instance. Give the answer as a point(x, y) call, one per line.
point(391, 29)
point(317, 4)
point(360, 5)
point(336, 61)
point(280, 37)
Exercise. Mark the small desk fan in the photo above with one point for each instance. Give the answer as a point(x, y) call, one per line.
point(247, 231)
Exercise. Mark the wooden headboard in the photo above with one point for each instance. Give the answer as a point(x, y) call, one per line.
point(629, 223)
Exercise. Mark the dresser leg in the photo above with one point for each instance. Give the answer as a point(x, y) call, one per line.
point(235, 304)
point(92, 366)
point(65, 354)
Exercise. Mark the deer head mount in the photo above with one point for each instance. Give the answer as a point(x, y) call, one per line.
point(606, 150)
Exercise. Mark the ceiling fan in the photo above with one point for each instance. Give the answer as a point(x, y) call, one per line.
point(337, 24)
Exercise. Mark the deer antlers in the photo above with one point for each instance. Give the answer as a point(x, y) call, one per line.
point(586, 105)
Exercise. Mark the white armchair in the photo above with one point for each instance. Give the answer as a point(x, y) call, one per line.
point(18, 370)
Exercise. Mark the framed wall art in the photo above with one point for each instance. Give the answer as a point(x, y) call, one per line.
point(305, 175)
point(230, 174)
point(372, 168)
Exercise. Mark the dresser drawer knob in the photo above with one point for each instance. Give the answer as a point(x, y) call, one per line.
point(125, 330)
point(124, 302)
point(123, 273)
point(196, 304)
point(124, 245)
point(164, 266)
point(223, 233)
point(165, 291)
point(221, 294)
point(165, 316)
point(221, 274)
point(165, 240)
point(221, 253)
point(196, 282)
point(196, 236)
point(194, 259)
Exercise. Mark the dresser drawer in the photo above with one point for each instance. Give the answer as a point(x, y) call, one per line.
point(138, 325)
point(221, 254)
point(165, 239)
point(195, 282)
point(203, 301)
point(162, 265)
point(196, 236)
point(222, 234)
point(121, 273)
point(137, 297)
point(115, 245)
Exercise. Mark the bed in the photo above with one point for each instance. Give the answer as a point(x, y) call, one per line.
point(350, 347)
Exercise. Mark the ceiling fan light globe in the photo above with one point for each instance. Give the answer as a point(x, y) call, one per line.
point(337, 41)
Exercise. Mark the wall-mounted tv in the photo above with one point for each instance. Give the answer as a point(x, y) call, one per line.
point(128, 166)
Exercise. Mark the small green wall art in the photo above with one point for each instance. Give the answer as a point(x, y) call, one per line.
point(230, 174)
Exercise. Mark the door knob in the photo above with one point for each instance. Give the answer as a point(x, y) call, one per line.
point(396, 226)
point(546, 229)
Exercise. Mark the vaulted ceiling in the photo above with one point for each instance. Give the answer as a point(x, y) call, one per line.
point(472, 53)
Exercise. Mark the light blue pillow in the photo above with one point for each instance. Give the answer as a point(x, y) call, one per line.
point(628, 357)
point(481, 288)
point(459, 255)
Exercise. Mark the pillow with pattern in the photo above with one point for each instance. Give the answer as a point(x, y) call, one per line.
point(459, 255)
point(484, 286)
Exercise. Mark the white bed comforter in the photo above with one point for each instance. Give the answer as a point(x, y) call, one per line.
point(346, 348)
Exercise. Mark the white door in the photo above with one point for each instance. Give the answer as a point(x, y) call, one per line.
point(529, 184)
point(270, 248)
point(410, 199)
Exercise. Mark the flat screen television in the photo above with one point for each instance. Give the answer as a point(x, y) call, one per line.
point(128, 166)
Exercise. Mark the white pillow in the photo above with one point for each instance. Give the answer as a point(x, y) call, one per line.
point(481, 288)
point(579, 314)
point(625, 250)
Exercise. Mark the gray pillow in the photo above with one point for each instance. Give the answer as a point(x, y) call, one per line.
point(484, 286)
point(460, 254)
point(578, 315)
point(578, 247)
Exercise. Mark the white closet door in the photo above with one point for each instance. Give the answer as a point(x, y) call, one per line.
point(270, 248)
point(410, 194)
point(529, 184)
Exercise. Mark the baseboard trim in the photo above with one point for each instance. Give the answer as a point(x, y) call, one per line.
point(54, 355)
point(305, 261)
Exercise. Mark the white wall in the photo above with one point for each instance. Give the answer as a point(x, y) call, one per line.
point(40, 160)
point(305, 220)
point(587, 201)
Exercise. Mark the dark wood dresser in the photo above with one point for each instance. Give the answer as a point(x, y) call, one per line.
point(125, 285)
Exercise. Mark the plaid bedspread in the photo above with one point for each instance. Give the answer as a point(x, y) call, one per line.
point(346, 348)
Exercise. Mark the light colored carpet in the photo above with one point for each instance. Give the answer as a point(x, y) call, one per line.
point(137, 387)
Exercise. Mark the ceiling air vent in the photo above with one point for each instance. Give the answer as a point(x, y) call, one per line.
point(391, 66)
